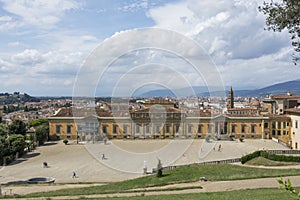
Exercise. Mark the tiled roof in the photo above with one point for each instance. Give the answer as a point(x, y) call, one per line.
point(81, 112)
point(241, 109)
point(286, 96)
point(293, 111)
point(169, 110)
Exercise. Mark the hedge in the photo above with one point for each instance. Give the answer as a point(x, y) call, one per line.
point(269, 156)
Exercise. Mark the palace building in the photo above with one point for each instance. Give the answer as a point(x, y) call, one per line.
point(164, 119)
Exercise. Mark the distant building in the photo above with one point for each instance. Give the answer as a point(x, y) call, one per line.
point(277, 104)
point(294, 114)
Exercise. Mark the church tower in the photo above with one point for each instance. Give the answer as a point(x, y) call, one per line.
point(230, 100)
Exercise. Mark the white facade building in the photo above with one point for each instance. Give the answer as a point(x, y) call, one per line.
point(294, 114)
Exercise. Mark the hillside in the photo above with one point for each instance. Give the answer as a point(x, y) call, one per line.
point(279, 88)
point(16, 97)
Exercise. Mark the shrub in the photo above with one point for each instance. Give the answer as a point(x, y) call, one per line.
point(65, 141)
point(250, 156)
point(275, 157)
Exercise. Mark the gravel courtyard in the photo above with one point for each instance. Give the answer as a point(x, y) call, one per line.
point(123, 159)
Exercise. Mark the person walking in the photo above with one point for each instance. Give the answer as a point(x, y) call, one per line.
point(73, 174)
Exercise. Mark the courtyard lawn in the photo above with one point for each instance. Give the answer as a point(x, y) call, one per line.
point(212, 172)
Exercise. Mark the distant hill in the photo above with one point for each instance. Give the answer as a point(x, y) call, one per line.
point(16, 97)
point(279, 88)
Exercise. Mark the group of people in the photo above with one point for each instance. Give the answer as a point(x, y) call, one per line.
point(219, 148)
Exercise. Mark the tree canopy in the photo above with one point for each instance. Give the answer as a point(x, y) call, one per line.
point(17, 143)
point(17, 127)
point(284, 15)
point(42, 132)
point(38, 122)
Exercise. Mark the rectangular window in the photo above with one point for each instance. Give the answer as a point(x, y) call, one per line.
point(177, 128)
point(167, 129)
point(296, 124)
point(115, 127)
point(199, 128)
point(190, 128)
point(253, 128)
point(279, 132)
point(69, 129)
point(273, 125)
point(284, 124)
point(266, 125)
point(124, 128)
point(104, 129)
point(137, 128)
point(57, 129)
point(157, 129)
point(243, 128)
point(233, 128)
point(273, 132)
point(284, 132)
point(279, 125)
point(148, 129)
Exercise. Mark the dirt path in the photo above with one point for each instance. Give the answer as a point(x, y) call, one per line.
point(217, 186)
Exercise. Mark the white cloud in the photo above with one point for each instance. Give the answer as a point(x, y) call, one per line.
point(28, 57)
point(43, 14)
point(232, 32)
point(233, 28)
point(5, 18)
point(134, 6)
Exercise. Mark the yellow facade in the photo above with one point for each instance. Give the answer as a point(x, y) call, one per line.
point(175, 125)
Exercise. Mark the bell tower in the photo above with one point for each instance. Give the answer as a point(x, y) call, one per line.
point(230, 100)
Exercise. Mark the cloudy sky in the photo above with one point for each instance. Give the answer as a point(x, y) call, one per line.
point(46, 44)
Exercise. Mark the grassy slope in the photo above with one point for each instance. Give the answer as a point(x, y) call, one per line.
point(213, 172)
point(260, 194)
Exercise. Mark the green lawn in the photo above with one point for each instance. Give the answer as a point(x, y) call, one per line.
point(260, 194)
point(266, 162)
point(213, 172)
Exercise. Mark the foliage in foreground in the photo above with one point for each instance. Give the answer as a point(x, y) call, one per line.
point(284, 15)
point(287, 185)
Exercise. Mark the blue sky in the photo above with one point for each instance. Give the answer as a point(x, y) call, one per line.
point(44, 44)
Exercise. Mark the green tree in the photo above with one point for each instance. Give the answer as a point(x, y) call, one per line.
point(3, 130)
point(284, 15)
point(17, 127)
point(42, 132)
point(4, 149)
point(17, 143)
point(38, 122)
